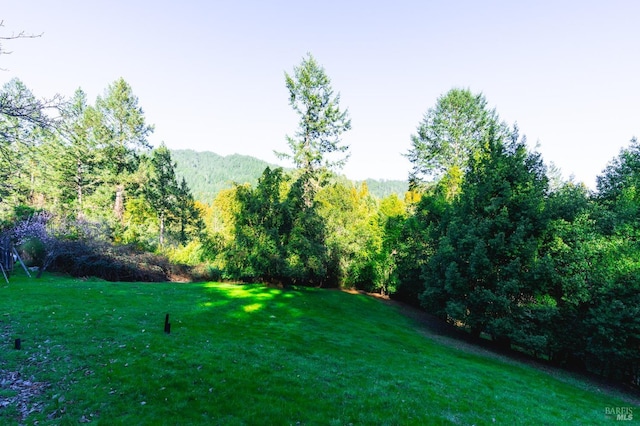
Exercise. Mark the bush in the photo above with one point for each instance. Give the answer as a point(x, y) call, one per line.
point(110, 262)
point(125, 263)
point(191, 254)
point(32, 252)
point(205, 272)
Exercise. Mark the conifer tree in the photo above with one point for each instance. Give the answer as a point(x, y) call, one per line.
point(123, 135)
point(162, 189)
point(322, 123)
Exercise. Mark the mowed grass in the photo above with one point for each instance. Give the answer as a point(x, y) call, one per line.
point(252, 354)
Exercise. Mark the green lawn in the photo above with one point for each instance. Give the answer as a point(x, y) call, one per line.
point(256, 355)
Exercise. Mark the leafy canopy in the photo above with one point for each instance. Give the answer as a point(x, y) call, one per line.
point(449, 134)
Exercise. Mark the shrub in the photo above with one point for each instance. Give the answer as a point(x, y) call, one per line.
point(191, 254)
point(110, 262)
point(32, 251)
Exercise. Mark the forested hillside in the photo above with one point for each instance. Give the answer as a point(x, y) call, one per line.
point(382, 188)
point(207, 173)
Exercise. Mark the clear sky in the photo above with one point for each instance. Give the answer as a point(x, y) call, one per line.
point(210, 74)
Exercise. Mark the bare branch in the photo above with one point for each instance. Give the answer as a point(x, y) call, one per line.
point(20, 35)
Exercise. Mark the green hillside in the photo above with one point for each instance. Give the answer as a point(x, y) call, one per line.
point(207, 173)
point(382, 188)
point(94, 351)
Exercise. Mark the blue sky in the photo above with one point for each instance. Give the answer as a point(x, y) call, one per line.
point(210, 74)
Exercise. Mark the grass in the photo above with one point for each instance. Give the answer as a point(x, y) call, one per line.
point(241, 355)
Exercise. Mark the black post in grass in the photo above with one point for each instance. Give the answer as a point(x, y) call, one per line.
point(18, 344)
point(167, 325)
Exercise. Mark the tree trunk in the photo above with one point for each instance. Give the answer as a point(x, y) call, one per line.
point(118, 206)
point(79, 184)
point(161, 229)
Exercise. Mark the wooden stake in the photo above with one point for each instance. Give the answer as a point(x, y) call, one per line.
point(4, 273)
point(167, 325)
point(19, 259)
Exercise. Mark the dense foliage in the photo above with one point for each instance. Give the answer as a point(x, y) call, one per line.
point(550, 270)
point(94, 165)
point(481, 273)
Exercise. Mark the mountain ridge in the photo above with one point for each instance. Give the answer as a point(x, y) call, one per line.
point(207, 173)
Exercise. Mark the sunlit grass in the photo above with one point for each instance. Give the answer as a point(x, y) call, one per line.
point(257, 355)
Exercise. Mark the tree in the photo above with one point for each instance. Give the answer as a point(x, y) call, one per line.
point(613, 305)
point(482, 273)
point(162, 188)
point(571, 262)
point(313, 149)
point(417, 239)
point(188, 214)
point(19, 109)
point(449, 134)
point(612, 325)
point(123, 135)
point(159, 210)
point(22, 121)
point(308, 259)
point(619, 186)
point(20, 115)
point(262, 227)
point(321, 121)
point(353, 232)
point(277, 236)
point(73, 154)
point(392, 214)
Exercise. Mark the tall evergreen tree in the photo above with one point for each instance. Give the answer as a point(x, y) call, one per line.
point(22, 120)
point(188, 215)
point(123, 136)
point(162, 189)
point(482, 273)
point(73, 154)
point(322, 123)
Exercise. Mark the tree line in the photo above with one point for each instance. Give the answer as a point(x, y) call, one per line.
point(488, 237)
point(500, 245)
point(93, 162)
